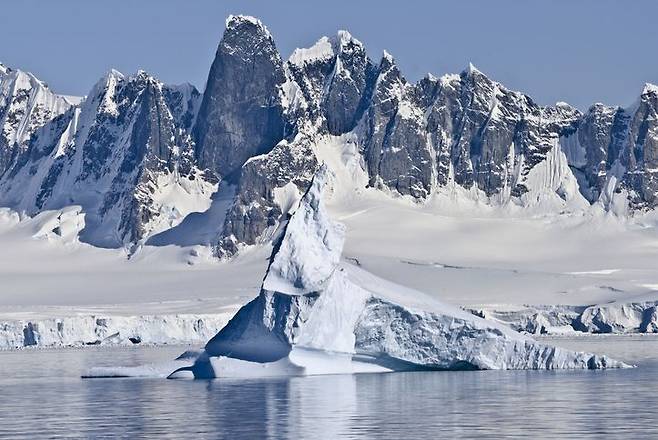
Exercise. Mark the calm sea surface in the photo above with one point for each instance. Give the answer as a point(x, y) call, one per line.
point(42, 396)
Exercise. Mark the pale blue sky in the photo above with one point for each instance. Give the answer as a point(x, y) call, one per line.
point(579, 51)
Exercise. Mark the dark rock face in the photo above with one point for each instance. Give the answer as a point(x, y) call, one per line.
point(241, 114)
point(255, 214)
point(259, 125)
point(641, 155)
point(600, 138)
point(465, 128)
point(396, 149)
point(155, 145)
point(348, 85)
point(620, 143)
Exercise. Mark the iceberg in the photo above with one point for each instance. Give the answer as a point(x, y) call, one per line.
point(319, 314)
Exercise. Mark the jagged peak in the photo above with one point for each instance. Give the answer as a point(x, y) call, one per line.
point(234, 22)
point(23, 79)
point(448, 78)
point(597, 106)
point(344, 38)
point(649, 89)
point(474, 74)
point(311, 246)
point(387, 63)
point(322, 50)
point(142, 76)
point(109, 79)
point(102, 94)
point(112, 74)
point(3, 69)
point(471, 69)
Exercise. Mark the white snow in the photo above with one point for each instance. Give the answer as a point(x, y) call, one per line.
point(26, 97)
point(73, 100)
point(311, 246)
point(176, 197)
point(320, 51)
point(235, 20)
point(649, 88)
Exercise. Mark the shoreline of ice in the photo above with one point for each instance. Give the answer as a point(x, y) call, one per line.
point(79, 329)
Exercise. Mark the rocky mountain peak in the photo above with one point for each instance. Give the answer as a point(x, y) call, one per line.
point(237, 23)
point(247, 37)
point(261, 124)
point(26, 104)
point(649, 89)
point(241, 114)
point(344, 41)
point(322, 50)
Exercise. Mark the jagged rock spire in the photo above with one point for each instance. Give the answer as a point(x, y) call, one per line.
point(241, 114)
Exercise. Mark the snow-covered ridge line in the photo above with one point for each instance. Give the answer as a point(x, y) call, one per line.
point(99, 329)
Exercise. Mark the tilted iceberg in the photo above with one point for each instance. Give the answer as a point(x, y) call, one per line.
point(316, 314)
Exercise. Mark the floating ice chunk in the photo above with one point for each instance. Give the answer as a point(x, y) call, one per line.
point(315, 315)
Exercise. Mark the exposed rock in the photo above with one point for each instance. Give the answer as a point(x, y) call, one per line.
point(138, 155)
point(241, 114)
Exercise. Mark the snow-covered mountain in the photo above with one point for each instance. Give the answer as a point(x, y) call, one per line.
point(124, 155)
point(138, 156)
point(26, 104)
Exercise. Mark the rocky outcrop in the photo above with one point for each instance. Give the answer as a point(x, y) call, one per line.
point(241, 114)
point(396, 148)
point(615, 150)
point(256, 213)
point(641, 153)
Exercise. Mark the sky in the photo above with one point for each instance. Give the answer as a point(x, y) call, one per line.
point(578, 51)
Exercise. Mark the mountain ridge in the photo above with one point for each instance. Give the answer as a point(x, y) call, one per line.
point(260, 121)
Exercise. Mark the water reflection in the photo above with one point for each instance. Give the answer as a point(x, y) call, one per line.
point(42, 396)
